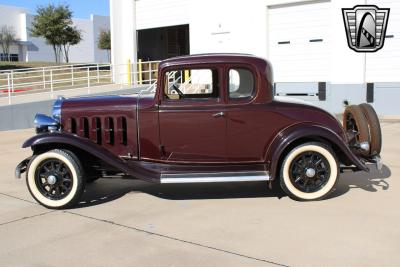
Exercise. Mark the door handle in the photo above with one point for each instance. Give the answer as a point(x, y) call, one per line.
point(219, 114)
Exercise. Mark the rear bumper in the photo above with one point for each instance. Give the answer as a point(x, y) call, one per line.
point(21, 167)
point(366, 163)
point(377, 160)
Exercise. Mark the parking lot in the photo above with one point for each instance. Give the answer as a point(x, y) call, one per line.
point(128, 222)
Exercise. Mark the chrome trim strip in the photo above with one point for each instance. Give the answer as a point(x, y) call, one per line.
point(214, 177)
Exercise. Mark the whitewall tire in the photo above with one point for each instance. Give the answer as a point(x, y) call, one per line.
point(309, 172)
point(55, 179)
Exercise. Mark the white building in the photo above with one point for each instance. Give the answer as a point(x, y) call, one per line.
point(30, 48)
point(304, 40)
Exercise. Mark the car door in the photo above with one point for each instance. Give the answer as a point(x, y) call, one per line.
point(192, 117)
point(246, 122)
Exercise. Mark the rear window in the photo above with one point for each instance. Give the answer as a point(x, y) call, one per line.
point(241, 83)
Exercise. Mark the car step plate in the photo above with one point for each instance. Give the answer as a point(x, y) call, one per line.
point(176, 178)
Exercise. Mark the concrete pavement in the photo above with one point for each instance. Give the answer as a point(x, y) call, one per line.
point(124, 222)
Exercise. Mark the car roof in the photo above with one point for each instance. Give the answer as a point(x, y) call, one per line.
point(214, 58)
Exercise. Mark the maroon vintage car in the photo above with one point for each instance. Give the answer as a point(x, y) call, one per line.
point(210, 118)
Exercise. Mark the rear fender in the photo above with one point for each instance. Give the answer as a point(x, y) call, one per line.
point(309, 132)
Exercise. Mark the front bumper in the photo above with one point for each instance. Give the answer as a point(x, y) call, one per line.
point(21, 167)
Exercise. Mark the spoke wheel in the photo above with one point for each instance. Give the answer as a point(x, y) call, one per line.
point(54, 179)
point(309, 171)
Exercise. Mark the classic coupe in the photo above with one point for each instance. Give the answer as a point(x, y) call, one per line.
point(209, 118)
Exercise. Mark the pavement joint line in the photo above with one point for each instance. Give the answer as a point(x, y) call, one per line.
point(141, 230)
point(28, 217)
point(7, 195)
point(177, 239)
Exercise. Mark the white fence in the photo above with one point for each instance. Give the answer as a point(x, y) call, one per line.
point(48, 80)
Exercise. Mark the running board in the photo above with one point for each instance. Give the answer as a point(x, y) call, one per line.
point(177, 178)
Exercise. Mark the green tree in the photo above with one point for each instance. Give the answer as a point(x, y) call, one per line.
point(54, 24)
point(7, 37)
point(71, 36)
point(104, 42)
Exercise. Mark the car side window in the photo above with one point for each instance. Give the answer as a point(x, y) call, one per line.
point(191, 84)
point(241, 83)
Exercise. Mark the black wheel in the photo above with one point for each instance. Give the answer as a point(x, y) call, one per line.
point(309, 172)
point(55, 179)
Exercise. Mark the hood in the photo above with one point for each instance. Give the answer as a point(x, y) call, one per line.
point(99, 104)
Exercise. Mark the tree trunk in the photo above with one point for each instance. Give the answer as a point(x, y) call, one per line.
point(55, 52)
point(59, 48)
point(66, 53)
point(7, 48)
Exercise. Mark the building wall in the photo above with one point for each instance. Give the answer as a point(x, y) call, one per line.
point(36, 49)
point(13, 16)
point(383, 66)
point(246, 27)
point(156, 13)
point(84, 51)
point(100, 23)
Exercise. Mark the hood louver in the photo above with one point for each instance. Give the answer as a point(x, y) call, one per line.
point(109, 130)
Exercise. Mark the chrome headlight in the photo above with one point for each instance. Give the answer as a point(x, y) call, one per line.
point(45, 123)
point(57, 108)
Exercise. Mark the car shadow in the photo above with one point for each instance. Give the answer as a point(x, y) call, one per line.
point(109, 189)
point(371, 181)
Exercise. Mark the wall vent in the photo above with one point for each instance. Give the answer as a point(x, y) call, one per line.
point(322, 91)
point(370, 92)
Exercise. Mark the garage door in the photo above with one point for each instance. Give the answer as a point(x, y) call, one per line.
point(298, 42)
point(383, 66)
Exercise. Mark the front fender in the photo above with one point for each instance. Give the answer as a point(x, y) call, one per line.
point(313, 133)
point(58, 139)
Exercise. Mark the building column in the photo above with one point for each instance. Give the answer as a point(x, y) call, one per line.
point(123, 38)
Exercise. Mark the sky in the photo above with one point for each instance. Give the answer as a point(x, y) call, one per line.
point(81, 8)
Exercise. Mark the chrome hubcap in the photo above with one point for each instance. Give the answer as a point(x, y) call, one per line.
point(51, 179)
point(310, 172)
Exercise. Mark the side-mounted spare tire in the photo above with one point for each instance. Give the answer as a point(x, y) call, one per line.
point(374, 127)
point(355, 120)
